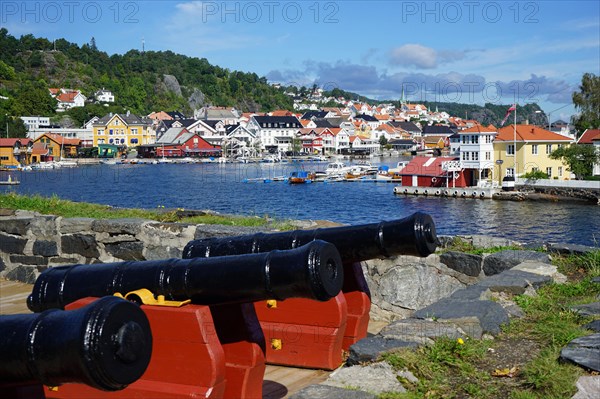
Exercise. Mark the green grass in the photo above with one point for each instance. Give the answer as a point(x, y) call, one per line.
point(460, 245)
point(69, 209)
point(449, 369)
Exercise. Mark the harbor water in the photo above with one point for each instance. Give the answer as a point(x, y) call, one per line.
point(252, 189)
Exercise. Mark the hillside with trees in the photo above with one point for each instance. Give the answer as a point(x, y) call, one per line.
point(143, 82)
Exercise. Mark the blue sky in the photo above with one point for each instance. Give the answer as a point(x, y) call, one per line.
point(462, 51)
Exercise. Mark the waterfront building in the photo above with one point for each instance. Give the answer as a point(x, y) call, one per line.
point(519, 149)
point(67, 98)
point(57, 146)
point(275, 133)
point(124, 130)
point(433, 172)
point(476, 151)
point(592, 137)
point(15, 152)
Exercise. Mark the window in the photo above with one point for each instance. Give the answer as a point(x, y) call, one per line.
point(134, 141)
point(475, 139)
point(510, 149)
point(464, 139)
point(100, 132)
point(560, 171)
point(548, 148)
point(110, 131)
point(549, 172)
point(535, 169)
point(134, 131)
point(534, 149)
point(488, 155)
point(475, 156)
point(466, 156)
point(510, 172)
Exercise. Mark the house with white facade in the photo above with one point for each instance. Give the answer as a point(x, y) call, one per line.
point(477, 154)
point(34, 122)
point(592, 137)
point(275, 133)
point(104, 96)
point(67, 99)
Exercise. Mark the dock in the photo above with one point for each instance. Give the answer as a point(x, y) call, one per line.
point(279, 381)
point(454, 192)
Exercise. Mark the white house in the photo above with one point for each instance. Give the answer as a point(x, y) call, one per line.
point(275, 133)
point(104, 96)
point(477, 152)
point(68, 99)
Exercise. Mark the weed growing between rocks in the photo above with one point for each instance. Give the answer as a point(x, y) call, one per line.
point(520, 363)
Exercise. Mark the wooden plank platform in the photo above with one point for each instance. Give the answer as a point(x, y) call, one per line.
point(279, 381)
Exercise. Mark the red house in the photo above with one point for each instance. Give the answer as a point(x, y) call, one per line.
point(179, 142)
point(433, 172)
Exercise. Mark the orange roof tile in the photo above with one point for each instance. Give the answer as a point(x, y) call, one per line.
point(68, 97)
point(529, 133)
point(479, 129)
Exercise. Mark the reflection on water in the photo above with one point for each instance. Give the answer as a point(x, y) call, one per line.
point(222, 188)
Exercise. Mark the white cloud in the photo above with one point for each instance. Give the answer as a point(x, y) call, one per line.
point(423, 57)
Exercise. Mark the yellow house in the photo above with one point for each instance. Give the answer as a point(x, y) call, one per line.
point(15, 152)
point(124, 130)
point(57, 146)
point(532, 152)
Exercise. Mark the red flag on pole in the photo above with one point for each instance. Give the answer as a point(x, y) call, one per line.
point(511, 109)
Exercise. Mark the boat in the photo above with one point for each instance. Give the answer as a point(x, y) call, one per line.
point(63, 163)
point(9, 182)
point(337, 169)
point(301, 177)
point(385, 173)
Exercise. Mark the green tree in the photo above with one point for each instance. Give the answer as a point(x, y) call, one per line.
point(33, 98)
point(579, 158)
point(587, 101)
point(6, 71)
point(16, 127)
point(382, 141)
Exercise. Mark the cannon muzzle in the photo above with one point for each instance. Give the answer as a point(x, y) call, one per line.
point(106, 344)
point(413, 235)
point(312, 271)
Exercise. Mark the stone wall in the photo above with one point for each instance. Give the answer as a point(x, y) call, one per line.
point(30, 242)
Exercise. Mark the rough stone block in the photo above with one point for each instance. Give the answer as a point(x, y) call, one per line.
point(594, 326)
point(82, 244)
point(589, 309)
point(15, 226)
point(24, 274)
point(29, 260)
point(118, 226)
point(420, 331)
point(471, 316)
point(11, 244)
point(514, 281)
point(329, 392)
point(583, 351)
point(45, 248)
point(44, 227)
point(369, 349)
point(2, 265)
point(60, 260)
point(500, 261)
point(587, 387)
point(464, 263)
point(126, 250)
point(570, 249)
point(375, 378)
point(75, 225)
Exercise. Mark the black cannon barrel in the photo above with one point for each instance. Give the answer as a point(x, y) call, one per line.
point(106, 344)
point(413, 235)
point(312, 271)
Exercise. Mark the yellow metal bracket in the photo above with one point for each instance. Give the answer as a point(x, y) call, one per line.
point(276, 344)
point(271, 303)
point(146, 297)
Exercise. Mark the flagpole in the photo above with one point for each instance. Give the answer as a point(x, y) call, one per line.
point(515, 146)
